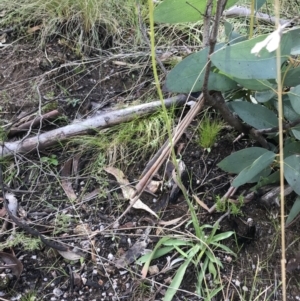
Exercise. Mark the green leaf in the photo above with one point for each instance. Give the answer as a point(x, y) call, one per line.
point(147, 263)
point(188, 75)
point(255, 115)
point(239, 160)
point(212, 269)
point(292, 148)
point(258, 4)
point(177, 242)
point(294, 96)
point(253, 84)
point(294, 211)
point(159, 253)
point(238, 61)
point(264, 96)
point(232, 36)
point(222, 236)
point(295, 35)
point(296, 132)
point(273, 178)
point(179, 276)
point(291, 77)
point(252, 170)
point(292, 172)
point(263, 174)
point(288, 111)
point(180, 11)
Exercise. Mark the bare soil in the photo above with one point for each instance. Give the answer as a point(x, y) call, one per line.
point(55, 78)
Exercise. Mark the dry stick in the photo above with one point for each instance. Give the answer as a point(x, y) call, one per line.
point(31, 123)
point(164, 153)
point(101, 121)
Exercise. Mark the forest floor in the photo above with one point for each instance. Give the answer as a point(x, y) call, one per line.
point(55, 78)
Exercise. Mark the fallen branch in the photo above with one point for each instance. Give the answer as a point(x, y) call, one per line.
point(35, 122)
point(101, 121)
point(240, 11)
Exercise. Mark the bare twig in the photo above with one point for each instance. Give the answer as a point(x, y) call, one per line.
point(102, 121)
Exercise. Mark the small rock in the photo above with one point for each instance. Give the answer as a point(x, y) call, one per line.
point(57, 292)
point(153, 270)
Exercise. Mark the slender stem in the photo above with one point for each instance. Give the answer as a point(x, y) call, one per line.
point(281, 162)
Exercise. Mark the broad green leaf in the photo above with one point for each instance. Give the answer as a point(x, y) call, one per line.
point(264, 96)
point(296, 132)
point(263, 174)
point(288, 111)
point(180, 11)
point(292, 172)
point(291, 77)
point(188, 76)
point(292, 148)
point(238, 61)
point(253, 84)
point(239, 160)
point(294, 211)
point(255, 115)
point(222, 236)
point(294, 96)
point(295, 35)
point(256, 167)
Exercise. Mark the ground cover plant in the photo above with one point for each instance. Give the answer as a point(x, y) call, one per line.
point(207, 226)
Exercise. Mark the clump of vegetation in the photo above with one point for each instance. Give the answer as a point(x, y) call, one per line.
point(128, 141)
point(235, 208)
point(209, 130)
point(80, 23)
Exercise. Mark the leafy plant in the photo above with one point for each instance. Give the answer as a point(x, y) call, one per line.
point(235, 208)
point(243, 71)
point(197, 251)
point(52, 160)
point(209, 130)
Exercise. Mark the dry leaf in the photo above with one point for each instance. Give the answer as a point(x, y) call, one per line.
point(127, 190)
point(65, 183)
point(82, 229)
point(201, 203)
point(171, 222)
point(34, 28)
point(11, 262)
point(153, 186)
point(71, 254)
point(3, 38)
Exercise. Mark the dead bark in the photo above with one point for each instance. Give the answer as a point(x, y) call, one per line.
point(101, 121)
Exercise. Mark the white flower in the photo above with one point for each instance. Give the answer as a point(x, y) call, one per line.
point(271, 42)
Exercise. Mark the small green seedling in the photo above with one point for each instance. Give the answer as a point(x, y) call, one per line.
point(209, 130)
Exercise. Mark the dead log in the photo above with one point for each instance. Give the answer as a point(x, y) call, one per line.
point(100, 121)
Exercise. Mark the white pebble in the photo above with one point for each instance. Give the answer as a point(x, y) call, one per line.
point(57, 292)
point(110, 256)
point(237, 283)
